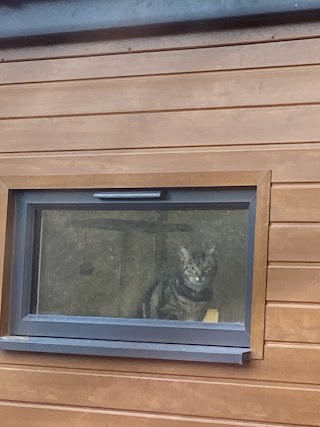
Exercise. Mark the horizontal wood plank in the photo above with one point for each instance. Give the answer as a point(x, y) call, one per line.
point(294, 242)
point(168, 92)
point(298, 203)
point(301, 161)
point(213, 36)
point(294, 283)
point(219, 399)
point(20, 414)
point(172, 129)
point(294, 322)
point(286, 362)
point(297, 52)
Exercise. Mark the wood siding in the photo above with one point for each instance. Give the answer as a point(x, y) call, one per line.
point(233, 100)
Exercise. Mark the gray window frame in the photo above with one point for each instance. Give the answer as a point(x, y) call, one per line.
point(95, 335)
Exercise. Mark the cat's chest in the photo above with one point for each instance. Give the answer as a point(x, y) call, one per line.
point(188, 302)
point(188, 295)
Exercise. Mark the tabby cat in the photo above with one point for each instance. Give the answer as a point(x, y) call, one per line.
point(187, 294)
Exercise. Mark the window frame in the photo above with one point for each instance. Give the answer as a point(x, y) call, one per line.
point(23, 323)
point(244, 339)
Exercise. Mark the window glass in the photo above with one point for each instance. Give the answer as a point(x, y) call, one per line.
point(178, 264)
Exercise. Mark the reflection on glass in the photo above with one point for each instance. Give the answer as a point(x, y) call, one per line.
point(186, 264)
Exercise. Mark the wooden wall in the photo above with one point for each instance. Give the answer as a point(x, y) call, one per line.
point(245, 99)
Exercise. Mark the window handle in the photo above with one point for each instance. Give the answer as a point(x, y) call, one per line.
point(109, 195)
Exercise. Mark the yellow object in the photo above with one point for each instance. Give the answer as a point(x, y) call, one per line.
point(212, 316)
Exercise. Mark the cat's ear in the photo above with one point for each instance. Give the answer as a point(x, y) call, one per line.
point(184, 254)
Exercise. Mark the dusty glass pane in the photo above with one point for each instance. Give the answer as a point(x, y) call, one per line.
point(186, 264)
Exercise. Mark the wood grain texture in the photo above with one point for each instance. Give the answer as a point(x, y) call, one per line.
point(260, 267)
point(293, 322)
point(166, 129)
point(59, 416)
point(294, 242)
point(5, 253)
point(294, 283)
point(139, 180)
point(297, 52)
point(237, 400)
point(289, 163)
point(285, 362)
point(214, 36)
point(298, 203)
point(167, 92)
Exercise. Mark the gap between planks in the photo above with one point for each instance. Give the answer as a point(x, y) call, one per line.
point(290, 224)
point(293, 264)
point(297, 185)
point(149, 415)
point(172, 73)
point(168, 74)
point(179, 44)
point(170, 110)
point(150, 148)
point(168, 150)
point(156, 50)
point(164, 377)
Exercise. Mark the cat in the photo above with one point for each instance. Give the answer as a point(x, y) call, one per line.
point(186, 295)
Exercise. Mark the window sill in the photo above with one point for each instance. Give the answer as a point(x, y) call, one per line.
point(196, 353)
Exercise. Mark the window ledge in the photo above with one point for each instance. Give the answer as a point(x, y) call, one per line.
point(199, 353)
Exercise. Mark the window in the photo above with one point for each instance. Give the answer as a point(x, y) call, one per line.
point(159, 271)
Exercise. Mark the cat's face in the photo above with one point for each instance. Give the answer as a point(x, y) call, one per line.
point(198, 267)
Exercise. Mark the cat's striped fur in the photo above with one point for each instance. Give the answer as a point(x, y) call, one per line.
point(186, 295)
